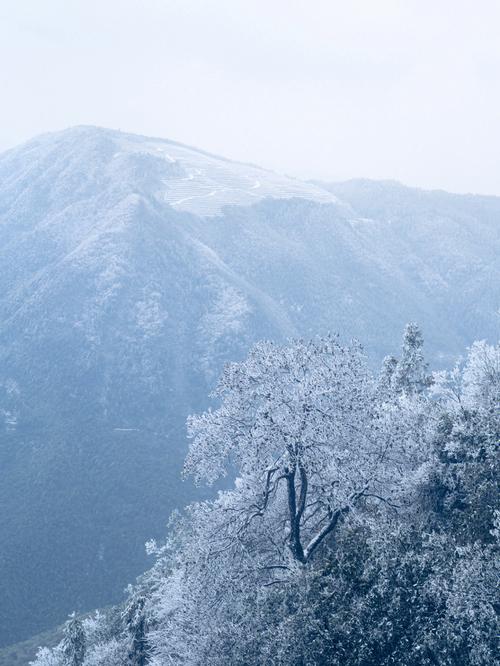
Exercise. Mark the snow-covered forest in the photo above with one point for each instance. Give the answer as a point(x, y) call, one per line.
point(361, 527)
point(249, 333)
point(119, 309)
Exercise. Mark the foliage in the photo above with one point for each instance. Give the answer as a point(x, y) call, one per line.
point(362, 528)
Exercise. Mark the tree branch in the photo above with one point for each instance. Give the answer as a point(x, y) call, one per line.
point(322, 534)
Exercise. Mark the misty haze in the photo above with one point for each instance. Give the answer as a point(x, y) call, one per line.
point(249, 334)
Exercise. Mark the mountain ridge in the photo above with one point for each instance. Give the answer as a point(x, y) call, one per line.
point(187, 178)
point(118, 311)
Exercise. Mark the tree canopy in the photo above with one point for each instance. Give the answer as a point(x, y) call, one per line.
point(362, 527)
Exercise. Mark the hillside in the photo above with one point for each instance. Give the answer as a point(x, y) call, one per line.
point(131, 269)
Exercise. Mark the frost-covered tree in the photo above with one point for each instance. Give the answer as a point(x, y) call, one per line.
point(463, 492)
point(135, 625)
point(386, 378)
point(106, 653)
point(74, 643)
point(303, 429)
point(315, 449)
point(92, 641)
point(410, 374)
point(49, 657)
point(362, 528)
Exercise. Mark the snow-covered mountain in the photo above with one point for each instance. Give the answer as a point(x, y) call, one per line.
point(131, 269)
point(183, 177)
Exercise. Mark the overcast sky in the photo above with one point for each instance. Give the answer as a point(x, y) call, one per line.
point(314, 88)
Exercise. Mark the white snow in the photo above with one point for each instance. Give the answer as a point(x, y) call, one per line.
point(229, 183)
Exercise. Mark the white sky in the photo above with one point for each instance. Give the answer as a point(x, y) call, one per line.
point(332, 89)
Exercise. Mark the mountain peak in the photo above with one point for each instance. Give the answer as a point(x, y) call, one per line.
point(186, 178)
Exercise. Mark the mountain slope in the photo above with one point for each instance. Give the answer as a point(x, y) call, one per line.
point(125, 284)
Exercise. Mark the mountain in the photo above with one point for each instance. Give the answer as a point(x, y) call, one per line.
point(131, 269)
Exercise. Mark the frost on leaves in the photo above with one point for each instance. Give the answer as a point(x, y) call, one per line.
point(309, 437)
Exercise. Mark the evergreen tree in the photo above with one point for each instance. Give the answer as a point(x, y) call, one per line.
point(386, 378)
point(134, 618)
point(74, 643)
point(410, 375)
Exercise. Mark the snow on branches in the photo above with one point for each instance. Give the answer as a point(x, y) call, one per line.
point(308, 433)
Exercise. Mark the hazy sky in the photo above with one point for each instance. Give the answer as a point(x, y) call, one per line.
point(333, 89)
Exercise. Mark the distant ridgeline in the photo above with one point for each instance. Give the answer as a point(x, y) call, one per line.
point(131, 270)
point(363, 527)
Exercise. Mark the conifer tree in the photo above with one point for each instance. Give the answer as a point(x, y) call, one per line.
point(74, 642)
point(411, 373)
point(135, 622)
